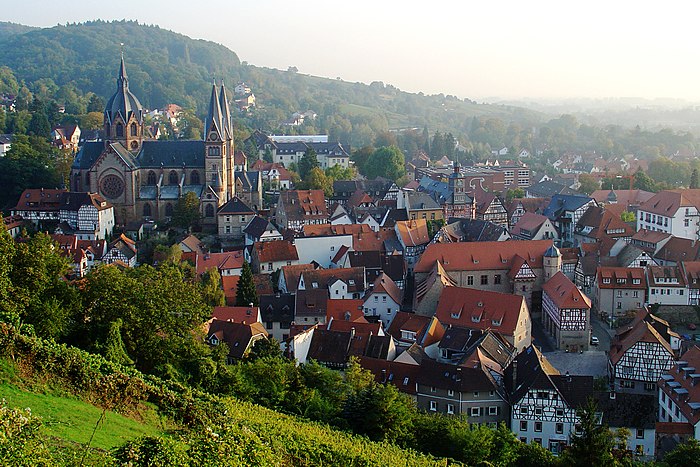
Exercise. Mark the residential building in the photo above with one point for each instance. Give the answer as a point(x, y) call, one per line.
point(121, 251)
point(471, 230)
point(410, 329)
point(566, 313)
point(277, 314)
point(679, 392)
point(506, 314)
point(636, 413)
point(268, 257)
point(617, 291)
point(544, 402)
point(228, 263)
point(413, 237)
point(295, 209)
point(87, 215)
point(671, 211)
point(383, 300)
point(343, 283)
point(260, 229)
point(532, 226)
point(640, 353)
point(232, 218)
point(598, 223)
point(666, 285)
point(565, 211)
point(239, 337)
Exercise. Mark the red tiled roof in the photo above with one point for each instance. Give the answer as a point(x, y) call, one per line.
point(667, 202)
point(302, 205)
point(39, 199)
point(384, 284)
point(689, 402)
point(651, 236)
point(479, 309)
point(476, 256)
point(413, 232)
point(220, 261)
point(276, 250)
point(337, 309)
point(564, 293)
point(529, 221)
point(237, 314)
point(292, 273)
point(230, 285)
point(616, 274)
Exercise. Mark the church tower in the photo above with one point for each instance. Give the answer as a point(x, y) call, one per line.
point(227, 123)
point(457, 206)
point(552, 262)
point(216, 145)
point(123, 118)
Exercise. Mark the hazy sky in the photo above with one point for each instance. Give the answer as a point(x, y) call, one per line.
point(475, 49)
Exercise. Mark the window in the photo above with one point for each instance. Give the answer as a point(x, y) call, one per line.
point(560, 428)
point(560, 412)
point(194, 178)
point(619, 305)
point(120, 130)
point(538, 426)
point(268, 325)
point(577, 429)
point(134, 130)
point(497, 279)
point(493, 410)
point(450, 392)
point(476, 394)
point(147, 210)
point(450, 408)
point(433, 406)
point(470, 280)
point(523, 425)
point(484, 279)
point(172, 178)
point(209, 211)
point(432, 389)
point(523, 410)
point(475, 412)
point(619, 293)
point(151, 178)
point(635, 294)
point(606, 280)
point(640, 433)
point(538, 410)
point(686, 223)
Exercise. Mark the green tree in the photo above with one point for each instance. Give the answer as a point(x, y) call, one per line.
point(627, 216)
point(39, 125)
point(307, 163)
point(265, 348)
point(694, 179)
point(186, 212)
point(96, 104)
point(514, 193)
point(380, 413)
point(114, 350)
point(211, 288)
point(317, 180)
point(387, 162)
point(267, 155)
point(245, 291)
point(595, 443)
point(190, 126)
point(361, 157)
point(685, 454)
point(8, 307)
point(642, 181)
point(588, 184)
point(91, 121)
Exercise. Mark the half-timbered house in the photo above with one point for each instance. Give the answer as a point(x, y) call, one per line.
point(566, 313)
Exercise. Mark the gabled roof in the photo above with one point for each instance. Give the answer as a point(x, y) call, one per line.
point(39, 199)
point(413, 232)
point(428, 329)
point(683, 378)
point(237, 314)
point(74, 200)
point(384, 284)
point(530, 222)
point(480, 309)
point(609, 277)
point(667, 202)
point(561, 204)
point(235, 206)
point(238, 336)
point(322, 278)
point(548, 189)
point(275, 250)
point(642, 331)
point(678, 249)
point(220, 261)
point(345, 310)
point(624, 198)
point(477, 256)
point(300, 205)
point(277, 307)
point(564, 293)
point(403, 376)
point(292, 273)
point(125, 245)
point(597, 222)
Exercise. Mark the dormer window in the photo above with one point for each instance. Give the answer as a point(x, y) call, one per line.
point(638, 281)
point(476, 318)
point(314, 285)
point(606, 280)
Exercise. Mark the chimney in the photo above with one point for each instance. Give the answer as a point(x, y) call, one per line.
point(514, 379)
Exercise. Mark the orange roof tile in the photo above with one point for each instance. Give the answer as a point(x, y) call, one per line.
point(564, 293)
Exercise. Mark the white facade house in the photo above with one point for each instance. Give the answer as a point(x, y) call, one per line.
point(679, 392)
point(666, 285)
point(383, 300)
point(671, 211)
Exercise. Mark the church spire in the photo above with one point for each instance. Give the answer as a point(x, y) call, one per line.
point(225, 112)
point(214, 120)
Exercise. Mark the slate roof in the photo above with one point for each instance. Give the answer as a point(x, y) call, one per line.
point(330, 347)
point(475, 230)
point(403, 376)
point(418, 201)
point(634, 411)
point(154, 154)
point(249, 179)
point(235, 206)
point(561, 204)
point(548, 189)
point(311, 303)
point(323, 278)
point(292, 273)
point(277, 308)
point(258, 226)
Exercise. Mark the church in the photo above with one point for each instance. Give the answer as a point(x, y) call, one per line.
point(143, 177)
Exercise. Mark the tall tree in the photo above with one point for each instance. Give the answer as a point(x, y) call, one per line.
point(245, 292)
point(595, 443)
point(186, 213)
point(588, 184)
point(694, 179)
point(685, 454)
point(307, 163)
point(387, 162)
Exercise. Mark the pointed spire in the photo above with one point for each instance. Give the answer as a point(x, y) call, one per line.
point(214, 121)
point(225, 112)
point(122, 80)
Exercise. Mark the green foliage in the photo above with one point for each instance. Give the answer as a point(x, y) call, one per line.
point(627, 216)
point(686, 454)
point(245, 291)
point(20, 442)
point(588, 184)
point(307, 163)
point(114, 350)
point(387, 162)
point(212, 293)
point(380, 413)
point(694, 179)
point(186, 212)
point(339, 173)
point(594, 445)
point(265, 348)
point(515, 193)
point(317, 180)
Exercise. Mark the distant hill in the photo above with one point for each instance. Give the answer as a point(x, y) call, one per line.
point(166, 67)
point(13, 29)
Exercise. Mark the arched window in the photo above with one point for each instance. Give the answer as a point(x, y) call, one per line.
point(120, 130)
point(194, 178)
point(87, 180)
point(209, 211)
point(214, 151)
point(146, 210)
point(169, 210)
point(172, 178)
point(151, 180)
point(76, 182)
point(134, 130)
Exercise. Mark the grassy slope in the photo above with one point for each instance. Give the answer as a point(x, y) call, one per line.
point(72, 420)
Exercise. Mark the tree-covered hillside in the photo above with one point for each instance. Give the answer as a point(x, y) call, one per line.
point(13, 29)
point(166, 67)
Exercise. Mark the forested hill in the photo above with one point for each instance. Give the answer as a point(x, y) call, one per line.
point(163, 66)
point(13, 29)
point(166, 67)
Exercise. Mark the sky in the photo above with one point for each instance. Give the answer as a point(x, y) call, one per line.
point(484, 50)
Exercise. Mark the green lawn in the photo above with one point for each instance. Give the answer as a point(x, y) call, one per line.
point(73, 420)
